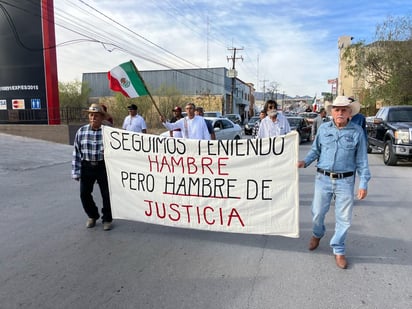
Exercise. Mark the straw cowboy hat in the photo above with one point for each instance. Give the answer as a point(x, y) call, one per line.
point(341, 101)
point(96, 108)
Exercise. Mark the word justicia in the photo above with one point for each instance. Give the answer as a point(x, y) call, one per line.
point(185, 213)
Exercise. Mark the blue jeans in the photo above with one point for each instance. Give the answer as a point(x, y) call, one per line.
point(325, 189)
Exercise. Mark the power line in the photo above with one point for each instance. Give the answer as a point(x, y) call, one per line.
point(116, 39)
point(233, 76)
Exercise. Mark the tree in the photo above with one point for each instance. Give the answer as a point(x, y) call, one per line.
point(273, 90)
point(168, 97)
point(327, 96)
point(384, 66)
point(73, 94)
point(117, 107)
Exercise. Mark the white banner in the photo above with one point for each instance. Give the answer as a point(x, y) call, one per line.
point(239, 186)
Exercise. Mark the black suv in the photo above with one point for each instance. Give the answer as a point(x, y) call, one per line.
point(391, 130)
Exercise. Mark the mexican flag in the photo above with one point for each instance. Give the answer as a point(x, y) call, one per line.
point(126, 79)
point(314, 104)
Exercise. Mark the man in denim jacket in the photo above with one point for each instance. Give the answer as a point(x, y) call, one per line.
point(340, 150)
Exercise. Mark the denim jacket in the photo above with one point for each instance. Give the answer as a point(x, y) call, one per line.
point(341, 150)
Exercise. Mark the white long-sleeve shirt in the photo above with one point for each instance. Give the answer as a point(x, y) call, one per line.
point(194, 128)
point(270, 128)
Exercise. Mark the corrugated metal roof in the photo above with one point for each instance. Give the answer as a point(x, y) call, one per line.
point(187, 81)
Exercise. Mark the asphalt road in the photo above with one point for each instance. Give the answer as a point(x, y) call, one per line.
point(48, 259)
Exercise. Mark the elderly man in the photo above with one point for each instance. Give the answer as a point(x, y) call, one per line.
point(88, 167)
point(340, 150)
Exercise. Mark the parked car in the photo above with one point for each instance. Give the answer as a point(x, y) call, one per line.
point(235, 118)
point(310, 116)
point(224, 129)
point(391, 131)
point(250, 124)
point(301, 125)
point(369, 121)
point(212, 114)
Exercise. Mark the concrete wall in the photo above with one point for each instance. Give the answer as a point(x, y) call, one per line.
point(63, 134)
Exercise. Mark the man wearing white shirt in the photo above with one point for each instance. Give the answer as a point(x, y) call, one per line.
point(274, 124)
point(134, 122)
point(192, 126)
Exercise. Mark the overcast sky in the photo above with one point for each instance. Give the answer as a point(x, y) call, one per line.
point(290, 42)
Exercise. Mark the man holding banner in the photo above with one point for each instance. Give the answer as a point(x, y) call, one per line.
point(88, 167)
point(340, 149)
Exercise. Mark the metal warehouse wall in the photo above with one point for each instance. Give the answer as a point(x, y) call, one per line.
point(189, 81)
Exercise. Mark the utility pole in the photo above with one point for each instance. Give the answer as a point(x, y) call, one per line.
point(264, 89)
point(233, 74)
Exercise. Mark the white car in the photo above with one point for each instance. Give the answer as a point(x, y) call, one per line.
point(212, 114)
point(224, 128)
point(234, 117)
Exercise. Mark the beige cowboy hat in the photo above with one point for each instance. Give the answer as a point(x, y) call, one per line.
point(342, 100)
point(96, 108)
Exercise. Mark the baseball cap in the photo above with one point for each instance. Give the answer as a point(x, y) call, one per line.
point(132, 107)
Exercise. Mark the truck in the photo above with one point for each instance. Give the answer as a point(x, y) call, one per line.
point(391, 132)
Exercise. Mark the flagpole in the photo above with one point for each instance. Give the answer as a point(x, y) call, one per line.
point(150, 95)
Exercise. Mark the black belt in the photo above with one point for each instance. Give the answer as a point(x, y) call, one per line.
point(93, 163)
point(335, 175)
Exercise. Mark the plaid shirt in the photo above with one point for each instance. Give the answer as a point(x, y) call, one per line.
point(256, 128)
point(88, 146)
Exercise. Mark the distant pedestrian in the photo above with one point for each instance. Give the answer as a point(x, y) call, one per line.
point(88, 167)
point(109, 119)
point(320, 119)
point(255, 129)
point(275, 123)
point(360, 120)
point(200, 112)
point(269, 127)
point(177, 114)
point(134, 122)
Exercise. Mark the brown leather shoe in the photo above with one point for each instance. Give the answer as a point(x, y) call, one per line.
point(314, 243)
point(341, 261)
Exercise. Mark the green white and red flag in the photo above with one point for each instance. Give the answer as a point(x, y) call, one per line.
point(126, 79)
